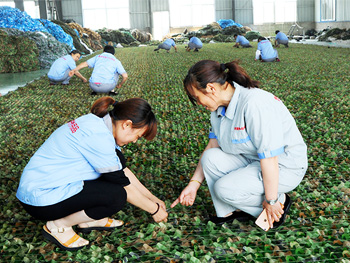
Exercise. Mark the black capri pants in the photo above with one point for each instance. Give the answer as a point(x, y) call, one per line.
point(99, 198)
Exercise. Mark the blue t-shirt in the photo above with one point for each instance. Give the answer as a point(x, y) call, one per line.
point(281, 36)
point(196, 41)
point(266, 49)
point(106, 66)
point(169, 42)
point(77, 151)
point(242, 40)
point(60, 66)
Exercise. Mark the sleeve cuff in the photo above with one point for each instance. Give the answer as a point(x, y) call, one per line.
point(269, 154)
point(212, 135)
point(117, 177)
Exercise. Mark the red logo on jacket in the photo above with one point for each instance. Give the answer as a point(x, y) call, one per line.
point(239, 128)
point(73, 126)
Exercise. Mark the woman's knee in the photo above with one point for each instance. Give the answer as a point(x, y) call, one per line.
point(208, 158)
point(227, 191)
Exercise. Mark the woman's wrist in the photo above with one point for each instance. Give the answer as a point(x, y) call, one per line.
point(158, 206)
point(195, 181)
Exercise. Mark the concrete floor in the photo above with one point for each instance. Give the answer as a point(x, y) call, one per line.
point(336, 43)
point(11, 81)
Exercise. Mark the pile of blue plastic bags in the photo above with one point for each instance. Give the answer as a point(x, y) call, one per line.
point(228, 22)
point(14, 18)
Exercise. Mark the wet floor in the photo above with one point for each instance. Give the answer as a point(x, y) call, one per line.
point(11, 81)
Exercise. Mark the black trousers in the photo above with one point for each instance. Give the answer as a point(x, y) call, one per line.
point(99, 199)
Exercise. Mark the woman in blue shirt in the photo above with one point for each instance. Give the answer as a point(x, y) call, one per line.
point(265, 51)
point(167, 44)
point(59, 70)
point(255, 153)
point(195, 43)
point(79, 175)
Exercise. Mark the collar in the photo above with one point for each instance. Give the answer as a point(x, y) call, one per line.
point(108, 121)
point(229, 111)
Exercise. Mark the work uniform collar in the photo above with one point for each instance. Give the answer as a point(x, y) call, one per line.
point(229, 112)
point(108, 121)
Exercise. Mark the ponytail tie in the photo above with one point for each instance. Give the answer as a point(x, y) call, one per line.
point(114, 103)
point(223, 67)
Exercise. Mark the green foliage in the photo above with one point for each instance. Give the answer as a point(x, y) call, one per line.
point(312, 81)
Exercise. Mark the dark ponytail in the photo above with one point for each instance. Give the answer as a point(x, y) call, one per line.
point(209, 71)
point(136, 109)
point(238, 74)
point(100, 106)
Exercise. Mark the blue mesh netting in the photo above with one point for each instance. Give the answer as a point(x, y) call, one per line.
point(14, 18)
point(57, 32)
point(228, 22)
point(76, 31)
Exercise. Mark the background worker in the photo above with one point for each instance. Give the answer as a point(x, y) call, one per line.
point(241, 40)
point(107, 69)
point(281, 38)
point(167, 44)
point(195, 43)
point(79, 177)
point(59, 70)
point(265, 51)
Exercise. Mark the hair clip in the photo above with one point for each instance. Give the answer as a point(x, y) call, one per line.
point(223, 67)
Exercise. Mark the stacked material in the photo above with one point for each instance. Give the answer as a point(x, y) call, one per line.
point(251, 35)
point(48, 47)
point(116, 36)
point(228, 22)
point(58, 32)
point(81, 47)
point(17, 54)
point(90, 37)
point(14, 18)
point(142, 37)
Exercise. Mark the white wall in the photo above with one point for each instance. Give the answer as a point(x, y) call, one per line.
point(185, 13)
point(274, 11)
point(29, 7)
point(106, 13)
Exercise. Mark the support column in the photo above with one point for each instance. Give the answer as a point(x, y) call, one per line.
point(19, 4)
point(233, 10)
point(43, 9)
point(58, 5)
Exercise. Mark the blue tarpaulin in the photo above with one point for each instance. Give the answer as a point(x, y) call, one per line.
point(228, 22)
point(15, 18)
point(58, 32)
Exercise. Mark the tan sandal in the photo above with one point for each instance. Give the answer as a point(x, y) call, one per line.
point(107, 227)
point(50, 235)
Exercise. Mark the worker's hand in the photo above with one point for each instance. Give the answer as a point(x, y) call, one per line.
point(71, 73)
point(274, 212)
point(161, 215)
point(84, 80)
point(119, 86)
point(187, 196)
point(160, 202)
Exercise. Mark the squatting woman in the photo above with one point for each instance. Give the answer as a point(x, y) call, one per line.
point(255, 153)
point(79, 176)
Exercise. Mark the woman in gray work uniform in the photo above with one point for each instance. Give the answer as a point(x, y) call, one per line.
point(255, 153)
